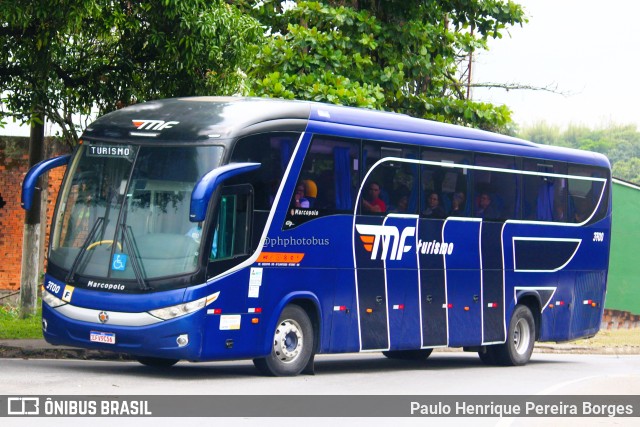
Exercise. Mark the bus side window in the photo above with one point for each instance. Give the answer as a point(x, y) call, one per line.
point(393, 187)
point(448, 179)
point(496, 188)
point(231, 230)
point(586, 195)
point(326, 182)
point(273, 152)
point(545, 195)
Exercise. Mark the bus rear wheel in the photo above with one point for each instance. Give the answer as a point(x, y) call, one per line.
point(156, 362)
point(421, 354)
point(293, 344)
point(516, 351)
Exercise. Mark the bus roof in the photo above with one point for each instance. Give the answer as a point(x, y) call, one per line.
point(199, 119)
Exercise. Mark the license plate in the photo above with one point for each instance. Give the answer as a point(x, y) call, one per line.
point(103, 337)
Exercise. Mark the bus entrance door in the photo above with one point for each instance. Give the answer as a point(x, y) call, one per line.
point(387, 282)
point(463, 280)
point(370, 240)
point(433, 297)
point(402, 277)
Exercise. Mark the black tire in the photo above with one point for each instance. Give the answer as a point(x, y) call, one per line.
point(421, 354)
point(293, 344)
point(156, 362)
point(521, 336)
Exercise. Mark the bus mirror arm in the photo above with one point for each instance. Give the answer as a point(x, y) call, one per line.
point(207, 185)
point(31, 179)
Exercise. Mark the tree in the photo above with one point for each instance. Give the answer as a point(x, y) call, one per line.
point(71, 57)
point(92, 56)
point(620, 143)
point(403, 56)
point(629, 170)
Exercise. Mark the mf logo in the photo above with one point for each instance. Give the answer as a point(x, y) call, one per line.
point(153, 124)
point(382, 238)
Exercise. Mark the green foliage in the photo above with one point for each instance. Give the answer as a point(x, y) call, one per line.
point(14, 327)
point(71, 57)
point(629, 170)
point(403, 56)
point(75, 56)
point(620, 143)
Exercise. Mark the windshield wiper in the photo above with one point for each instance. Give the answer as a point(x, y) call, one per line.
point(138, 270)
point(83, 249)
point(130, 242)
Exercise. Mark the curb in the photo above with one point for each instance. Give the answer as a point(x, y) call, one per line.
point(577, 349)
point(16, 350)
point(37, 349)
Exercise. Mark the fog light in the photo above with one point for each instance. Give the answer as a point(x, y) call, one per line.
point(182, 340)
point(44, 325)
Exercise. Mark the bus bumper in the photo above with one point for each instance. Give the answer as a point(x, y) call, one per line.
point(164, 339)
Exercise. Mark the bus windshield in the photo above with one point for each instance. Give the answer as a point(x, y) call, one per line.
point(124, 211)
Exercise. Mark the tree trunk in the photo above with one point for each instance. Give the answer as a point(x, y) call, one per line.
point(31, 241)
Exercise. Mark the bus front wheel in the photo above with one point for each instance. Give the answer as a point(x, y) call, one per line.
point(521, 336)
point(293, 344)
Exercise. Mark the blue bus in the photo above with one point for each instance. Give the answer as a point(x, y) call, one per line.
point(213, 228)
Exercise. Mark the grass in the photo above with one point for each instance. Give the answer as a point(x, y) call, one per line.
point(13, 327)
point(613, 338)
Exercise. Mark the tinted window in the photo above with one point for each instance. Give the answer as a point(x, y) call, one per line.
point(273, 151)
point(393, 186)
point(545, 195)
point(327, 181)
point(496, 192)
point(446, 183)
point(585, 195)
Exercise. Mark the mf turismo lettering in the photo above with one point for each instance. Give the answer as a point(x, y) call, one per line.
point(391, 244)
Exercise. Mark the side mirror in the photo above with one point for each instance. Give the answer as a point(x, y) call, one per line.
point(30, 180)
point(204, 188)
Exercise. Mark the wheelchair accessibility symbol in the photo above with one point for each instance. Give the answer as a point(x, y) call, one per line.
point(119, 262)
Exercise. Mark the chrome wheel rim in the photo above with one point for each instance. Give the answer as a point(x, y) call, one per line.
point(288, 341)
point(521, 336)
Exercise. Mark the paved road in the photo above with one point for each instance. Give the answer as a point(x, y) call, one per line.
point(444, 373)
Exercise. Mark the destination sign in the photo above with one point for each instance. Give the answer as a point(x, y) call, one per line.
point(110, 151)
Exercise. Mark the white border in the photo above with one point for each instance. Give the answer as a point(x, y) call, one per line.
point(543, 239)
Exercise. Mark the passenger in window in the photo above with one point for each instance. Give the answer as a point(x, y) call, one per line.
point(195, 232)
point(400, 200)
point(311, 191)
point(372, 203)
point(457, 204)
point(299, 200)
point(434, 209)
point(401, 205)
point(485, 209)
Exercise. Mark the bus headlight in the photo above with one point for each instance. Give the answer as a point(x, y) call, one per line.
point(168, 313)
point(51, 300)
